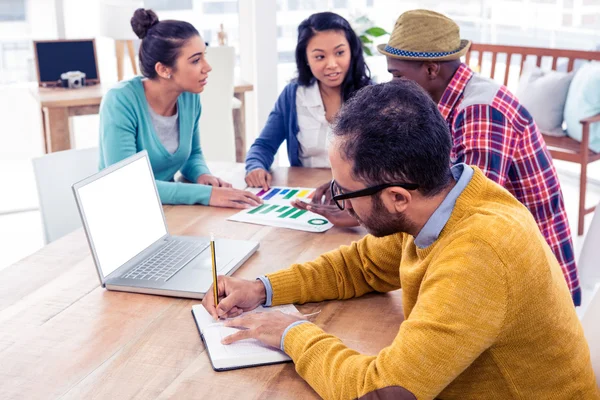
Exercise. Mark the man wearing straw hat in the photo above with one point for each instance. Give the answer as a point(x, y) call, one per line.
point(490, 128)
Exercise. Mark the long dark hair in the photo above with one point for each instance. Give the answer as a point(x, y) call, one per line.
point(358, 74)
point(161, 41)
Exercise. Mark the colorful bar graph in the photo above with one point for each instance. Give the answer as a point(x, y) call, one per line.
point(288, 213)
point(278, 210)
point(291, 194)
point(257, 209)
point(269, 209)
point(298, 214)
point(272, 193)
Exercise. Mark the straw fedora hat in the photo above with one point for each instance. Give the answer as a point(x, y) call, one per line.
point(425, 35)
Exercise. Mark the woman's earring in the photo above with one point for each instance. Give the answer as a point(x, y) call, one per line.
point(169, 76)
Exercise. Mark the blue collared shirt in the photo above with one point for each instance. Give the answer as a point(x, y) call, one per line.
point(462, 174)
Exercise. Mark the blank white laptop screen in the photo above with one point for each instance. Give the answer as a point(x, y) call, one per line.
point(123, 214)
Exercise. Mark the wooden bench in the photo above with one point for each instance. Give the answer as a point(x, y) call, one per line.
point(561, 148)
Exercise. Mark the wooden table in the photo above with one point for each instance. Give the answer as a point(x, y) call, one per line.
point(62, 335)
point(58, 104)
point(239, 119)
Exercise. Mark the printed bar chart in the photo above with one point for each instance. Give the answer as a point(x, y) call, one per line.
point(278, 211)
point(298, 214)
point(290, 194)
point(271, 194)
point(288, 213)
point(269, 209)
point(257, 209)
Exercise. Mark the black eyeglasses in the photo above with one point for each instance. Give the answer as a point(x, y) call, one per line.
point(339, 197)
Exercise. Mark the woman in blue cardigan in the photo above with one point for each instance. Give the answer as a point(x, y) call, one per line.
point(331, 67)
point(160, 113)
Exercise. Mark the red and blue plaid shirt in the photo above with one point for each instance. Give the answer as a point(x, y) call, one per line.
point(492, 130)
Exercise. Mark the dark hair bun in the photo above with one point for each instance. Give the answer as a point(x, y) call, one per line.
point(143, 20)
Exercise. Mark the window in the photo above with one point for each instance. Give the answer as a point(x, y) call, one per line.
point(591, 21)
point(220, 7)
point(340, 3)
point(287, 56)
point(302, 5)
point(12, 10)
point(167, 5)
point(207, 16)
point(16, 62)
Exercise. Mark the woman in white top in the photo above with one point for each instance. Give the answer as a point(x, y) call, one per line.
point(331, 67)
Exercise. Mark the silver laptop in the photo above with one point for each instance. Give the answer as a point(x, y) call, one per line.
point(127, 232)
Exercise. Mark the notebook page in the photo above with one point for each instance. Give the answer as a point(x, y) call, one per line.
point(240, 348)
point(242, 353)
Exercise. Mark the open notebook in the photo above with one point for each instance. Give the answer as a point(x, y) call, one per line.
point(242, 354)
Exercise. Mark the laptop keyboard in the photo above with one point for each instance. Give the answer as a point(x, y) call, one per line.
point(167, 261)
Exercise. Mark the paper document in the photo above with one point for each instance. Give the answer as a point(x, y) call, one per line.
point(277, 210)
point(241, 354)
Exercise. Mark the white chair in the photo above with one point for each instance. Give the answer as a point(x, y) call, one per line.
point(55, 173)
point(591, 328)
point(589, 263)
point(216, 121)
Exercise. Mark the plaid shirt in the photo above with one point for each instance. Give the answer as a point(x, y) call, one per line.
point(492, 130)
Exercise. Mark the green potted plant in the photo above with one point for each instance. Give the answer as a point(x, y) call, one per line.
point(367, 32)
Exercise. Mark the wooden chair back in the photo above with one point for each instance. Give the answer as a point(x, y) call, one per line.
point(561, 148)
point(522, 53)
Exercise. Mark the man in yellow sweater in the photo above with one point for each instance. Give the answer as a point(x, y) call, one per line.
point(488, 314)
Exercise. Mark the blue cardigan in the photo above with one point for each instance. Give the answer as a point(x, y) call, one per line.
point(126, 128)
point(281, 125)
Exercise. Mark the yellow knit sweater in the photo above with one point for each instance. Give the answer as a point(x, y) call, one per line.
point(488, 314)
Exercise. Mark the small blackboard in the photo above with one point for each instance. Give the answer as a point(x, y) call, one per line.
point(54, 57)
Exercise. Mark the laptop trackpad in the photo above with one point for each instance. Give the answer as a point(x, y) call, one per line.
point(203, 261)
point(197, 275)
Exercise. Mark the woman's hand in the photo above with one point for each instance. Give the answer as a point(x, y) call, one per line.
point(259, 178)
point(233, 198)
point(208, 179)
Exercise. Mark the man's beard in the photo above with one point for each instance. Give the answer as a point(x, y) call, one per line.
point(381, 222)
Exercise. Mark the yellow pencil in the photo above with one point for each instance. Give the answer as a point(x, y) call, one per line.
point(214, 268)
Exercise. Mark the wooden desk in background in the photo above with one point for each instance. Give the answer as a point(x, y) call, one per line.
point(62, 335)
point(58, 104)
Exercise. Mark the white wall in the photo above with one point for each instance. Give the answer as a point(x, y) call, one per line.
point(258, 60)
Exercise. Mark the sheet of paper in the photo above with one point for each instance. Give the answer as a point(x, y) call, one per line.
point(277, 210)
point(242, 348)
point(244, 352)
